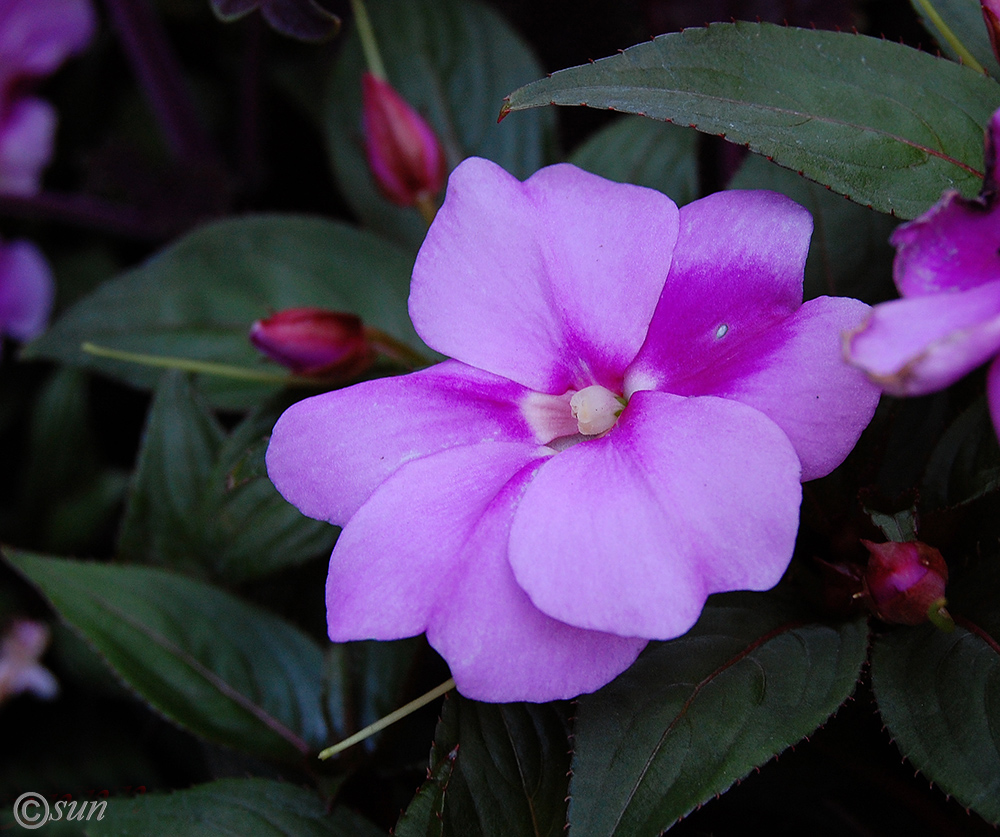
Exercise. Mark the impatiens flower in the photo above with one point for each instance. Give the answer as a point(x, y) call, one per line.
point(635, 394)
point(311, 341)
point(26, 290)
point(404, 153)
point(21, 647)
point(36, 36)
point(947, 270)
point(904, 581)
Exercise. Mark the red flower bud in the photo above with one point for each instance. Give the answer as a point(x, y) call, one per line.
point(991, 15)
point(311, 341)
point(904, 582)
point(404, 153)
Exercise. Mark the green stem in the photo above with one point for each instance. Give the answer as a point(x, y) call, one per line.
point(950, 37)
point(368, 43)
point(389, 719)
point(203, 367)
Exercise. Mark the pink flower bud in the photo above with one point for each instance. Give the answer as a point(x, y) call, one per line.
point(904, 581)
point(404, 153)
point(991, 15)
point(311, 341)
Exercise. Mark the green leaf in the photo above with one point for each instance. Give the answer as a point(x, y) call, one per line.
point(257, 807)
point(510, 773)
point(696, 714)
point(453, 61)
point(201, 501)
point(228, 671)
point(424, 816)
point(939, 693)
point(646, 153)
point(850, 254)
point(965, 464)
point(199, 296)
point(887, 125)
point(965, 19)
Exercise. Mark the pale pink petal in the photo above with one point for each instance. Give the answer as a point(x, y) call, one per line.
point(398, 558)
point(925, 343)
point(36, 36)
point(550, 282)
point(737, 269)
point(794, 372)
point(631, 532)
point(951, 247)
point(330, 452)
point(26, 290)
point(499, 646)
point(27, 134)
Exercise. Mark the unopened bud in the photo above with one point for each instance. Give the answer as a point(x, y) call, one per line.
point(904, 583)
point(311, 341)
point(403, 151)
point(991, 16)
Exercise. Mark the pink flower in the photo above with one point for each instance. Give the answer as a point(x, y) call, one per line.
point(635, 395)
point(26, 290)
point(404, 153)
point(36, 36)
point(904, 581)
point(21, 648)
point(311, 341)
point(947, 270)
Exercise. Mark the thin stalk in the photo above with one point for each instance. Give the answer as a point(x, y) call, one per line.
point(389, 719)
point(967, 58)
point(368, 43)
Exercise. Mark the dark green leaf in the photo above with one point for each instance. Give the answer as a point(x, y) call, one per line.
point(198, 298)
point(453, 61)
point(424, 816)
point(939, 693)
point(646, 153)
point(965, 19)
point(899, 527)
point(696, 714)
point(850, 253)
point(251, 807)
point(228, 671)
point(965, 464)
point(904, 125)
point(510, 774)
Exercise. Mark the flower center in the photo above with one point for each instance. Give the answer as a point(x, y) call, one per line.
point(596, 409)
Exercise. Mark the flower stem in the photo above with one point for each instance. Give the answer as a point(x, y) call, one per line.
point(203, 367)
point(967, 58)
point(368, 43)
point(389, 719)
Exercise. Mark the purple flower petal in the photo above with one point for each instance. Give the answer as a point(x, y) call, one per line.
point(951, 247)
point(329, 453)
point(26, 290)
point(397, 558)
point(925, 343)
point(631, 532)
point(737, 269)
point(794, 373)
point(993, 393)
point(36, 36)
point(27, 133)
point(550, 282)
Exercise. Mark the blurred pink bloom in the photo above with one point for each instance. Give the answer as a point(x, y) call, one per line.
point(26, 290)
point(21, 648)
point(36, 36)
point(636, 393)
point(311, 341)
point(404, 153)
point(947, 270)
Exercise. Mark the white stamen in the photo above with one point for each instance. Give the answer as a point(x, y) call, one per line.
point(721, 331)
point(595, 409)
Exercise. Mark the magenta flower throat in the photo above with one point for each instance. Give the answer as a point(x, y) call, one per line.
point(635, 394)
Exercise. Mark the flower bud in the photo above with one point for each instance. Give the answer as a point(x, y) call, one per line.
point(311, 341)
point(403, 151)
point(991, 16)
point(904, 582)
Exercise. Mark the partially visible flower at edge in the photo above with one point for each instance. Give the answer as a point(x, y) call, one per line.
point(947, 271)
point(405, 155)
point(636, 394)
point(26, 290)
point(991, 17)
point(21, 647)
point(36, 36)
